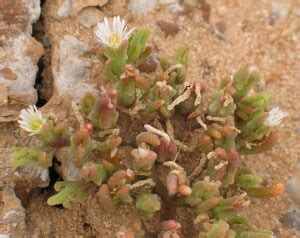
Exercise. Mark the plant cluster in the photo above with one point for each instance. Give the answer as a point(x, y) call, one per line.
point(236, 121)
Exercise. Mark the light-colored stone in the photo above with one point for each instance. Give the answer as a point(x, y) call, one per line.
point(82, 88)
point(70, 66)
point(67, 170)
point(8, 73)
point(26, 179)
point(18, 60)
point(12, 214)
point(3, 95)
point(57, 107)
point(191, 2)
point(64, 9)
point(21, 65)
point(16, 101)
point(292, 219)
point(279, 12)
point(140, 7)
point(34, 176)
point(17, 16)
point(89, 16)
point(176, 8)
point(293, 185)
point(168, 1)
point(33, 49)
point(78, 5)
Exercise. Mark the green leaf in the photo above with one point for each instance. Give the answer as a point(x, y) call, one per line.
point(68, 194)
point(148, 203)
point(137, 44)
point(31, 156)
point(126, 92)
point(248, 180)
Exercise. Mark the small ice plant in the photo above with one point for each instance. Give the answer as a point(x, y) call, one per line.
point(235, 121)
point(112, 34)
point(31, 120)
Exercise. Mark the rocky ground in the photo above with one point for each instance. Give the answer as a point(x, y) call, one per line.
point(46, 57)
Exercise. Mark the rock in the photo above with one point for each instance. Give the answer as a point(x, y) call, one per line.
point(221, 26)
point(293, 185)
point(33, 49)
point(81, 88)
point(149, 65)
point(59, 106)
point(177, 8)
point(18, 16)
point(292, 219)
point(27, 179)
point(191, 2)
point(8, 73)
point(3, 95)
point(12, 215)
point(206, 9)
point(67, 170)
point(15, 102)
point(18, 67)
point(140, 7)
point(21, 64)
point(78, 5)
point(278, 12)
point(168, 1)
point(170, 28)
point(219, 29)
point(64, 9)
point(70, 66)
point(90, 16)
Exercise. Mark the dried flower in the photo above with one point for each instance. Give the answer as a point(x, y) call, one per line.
point(275, 117)
point(158, 132)
point(112, 34)
point(31, 120)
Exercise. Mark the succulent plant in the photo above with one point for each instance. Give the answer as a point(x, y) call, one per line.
point(81, 146)
point(32, 156)
point(68, 194)
point(116, 191)
point(265, 192)
point(95, 172)
point(235, 121)
point(170, 229)
point(87, 103)
point(219, 229)
point(104, 114)
point(178, 183)
point(160, 97)
point(143, 159)
point(222, 101)
point(203, 190)
point(126, 87)
point(133, 230)
point(148, 203)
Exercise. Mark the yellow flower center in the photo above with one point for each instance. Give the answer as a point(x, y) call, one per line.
point(36, 124)
point(115, 40)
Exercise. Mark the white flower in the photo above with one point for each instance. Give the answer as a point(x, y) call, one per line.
point(112, 33)
point(275, 117)
point(31, 120)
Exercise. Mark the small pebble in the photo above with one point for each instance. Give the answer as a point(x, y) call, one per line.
point(149, 65)
point(205, 10)
point(169, 28)
point(221, 26)
point(292, 219)
point(90, 16)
